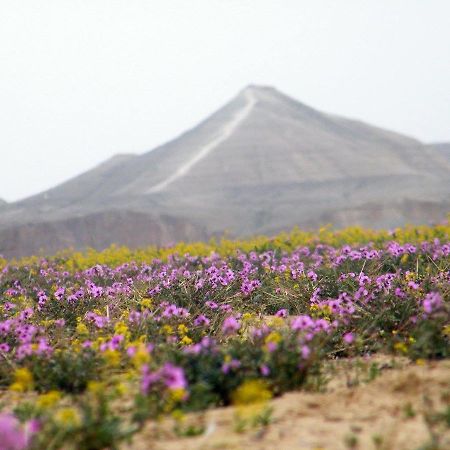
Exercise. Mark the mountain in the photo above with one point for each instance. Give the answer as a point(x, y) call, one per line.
point(262, 163)
point(443, 148)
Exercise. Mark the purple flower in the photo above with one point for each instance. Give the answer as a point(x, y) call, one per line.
point(348, 338)
point(170, 311)
point(5, 327)
point(230, 325)
point(23, 351)
point(281, 313)
point(60, 323)
point(4, 347)
point(72, 299)
point(231, 365)
point(42, 298)
point(201, 320)
point(12, 435)
point(226, 308)
point(59, 293)
point(302, 322)
point(211, 304)
point(174, 377)
point(272, 346)
point(43, 347)
point(305, 351)
point(265, 371)
point(432, 301)
point(148, 379)
point(8, 306)
point(312, 275)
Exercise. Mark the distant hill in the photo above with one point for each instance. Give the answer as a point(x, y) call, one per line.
point(262, 163)
point(443, 148)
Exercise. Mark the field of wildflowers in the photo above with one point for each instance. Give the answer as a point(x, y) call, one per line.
point(94, 346)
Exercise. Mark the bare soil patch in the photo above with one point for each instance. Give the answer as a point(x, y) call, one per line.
point(400, 409)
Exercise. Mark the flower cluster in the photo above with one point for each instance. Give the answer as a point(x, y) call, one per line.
point(185, 331)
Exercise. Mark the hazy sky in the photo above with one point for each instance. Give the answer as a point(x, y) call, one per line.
point(81, 80)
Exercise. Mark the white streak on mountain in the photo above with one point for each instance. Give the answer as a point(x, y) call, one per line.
point(226, 132)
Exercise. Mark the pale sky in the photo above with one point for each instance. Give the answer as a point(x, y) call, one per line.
point(82, 80)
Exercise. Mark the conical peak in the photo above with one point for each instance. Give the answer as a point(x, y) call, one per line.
point(259, 91)
point(270, 98)
point(260, 88)
point(269, 94)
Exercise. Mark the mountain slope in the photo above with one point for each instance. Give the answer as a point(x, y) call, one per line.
point(262, 163)
point(443, 148)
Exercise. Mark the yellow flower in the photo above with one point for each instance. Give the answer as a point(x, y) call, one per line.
point(48, 399)
point(273, 337)
point(67, 417)
point(250, 400)
point(121, 328)
point(251, 391)
point(178, 415)
point(76, 346)
point(167, 329)
point(146, 303)
point(23, 380)
point(121, 389)
point(401, 347)
point(178, 394)
point(246, 317)
point(175, 396)
point(82, 329)
point(98, 342)
point(182, 329)
point(446, 330)
point(141, 357)
point(95, 387)
point(186, 340)
point(276, 322)
point(112, 357)
point(320, 311)
point(409, 276)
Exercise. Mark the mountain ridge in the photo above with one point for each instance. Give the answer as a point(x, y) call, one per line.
point(262, 163)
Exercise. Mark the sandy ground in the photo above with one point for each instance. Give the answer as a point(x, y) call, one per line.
point(394, 411)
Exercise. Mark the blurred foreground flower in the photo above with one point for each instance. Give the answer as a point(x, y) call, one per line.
point(14, 436)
